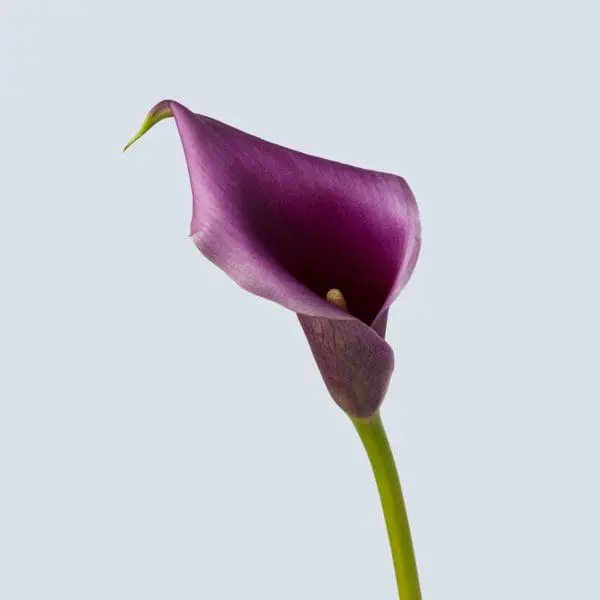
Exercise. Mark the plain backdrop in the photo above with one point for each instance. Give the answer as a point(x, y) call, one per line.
point(165, 435)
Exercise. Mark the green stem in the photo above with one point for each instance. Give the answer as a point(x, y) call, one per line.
point(378, 449)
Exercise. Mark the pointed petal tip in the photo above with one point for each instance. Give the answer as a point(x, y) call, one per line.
point(158, 113)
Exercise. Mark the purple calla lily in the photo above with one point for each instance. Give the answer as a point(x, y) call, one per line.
point(291, 228)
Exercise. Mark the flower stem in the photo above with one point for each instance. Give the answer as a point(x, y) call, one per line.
point(380, 455)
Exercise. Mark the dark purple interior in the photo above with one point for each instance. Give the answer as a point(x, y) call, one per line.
point(326, 242)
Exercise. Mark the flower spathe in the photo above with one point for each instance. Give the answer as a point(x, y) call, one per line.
point(291, 228)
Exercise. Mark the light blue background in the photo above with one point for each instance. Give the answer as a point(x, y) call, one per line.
point(164, 435)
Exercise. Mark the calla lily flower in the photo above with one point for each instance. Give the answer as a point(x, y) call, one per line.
point(333, 243)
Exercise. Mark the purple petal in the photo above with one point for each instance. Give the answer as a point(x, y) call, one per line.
point(355, 362)
point(289, 227)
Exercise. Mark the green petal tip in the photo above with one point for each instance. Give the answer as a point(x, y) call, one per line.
point(157, 114)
